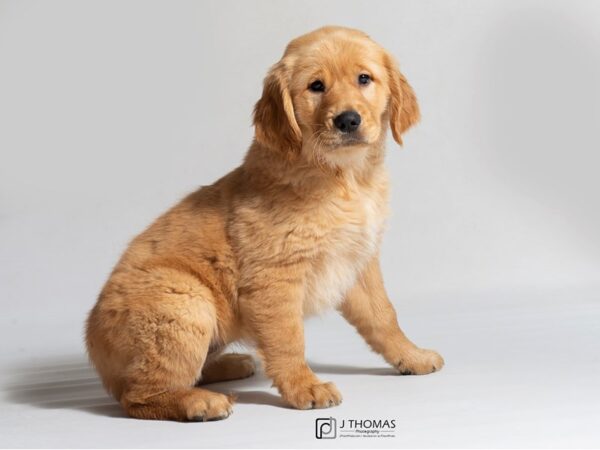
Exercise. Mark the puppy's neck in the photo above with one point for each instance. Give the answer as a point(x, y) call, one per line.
point(269, 167)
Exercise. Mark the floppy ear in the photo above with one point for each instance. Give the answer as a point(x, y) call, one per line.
point(403, 107)
point(275, 125)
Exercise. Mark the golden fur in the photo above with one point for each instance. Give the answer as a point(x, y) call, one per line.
point(293, 231)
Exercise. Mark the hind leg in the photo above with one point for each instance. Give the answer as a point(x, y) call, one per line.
point(184, 404)
point(149, 336)
point(227, 367)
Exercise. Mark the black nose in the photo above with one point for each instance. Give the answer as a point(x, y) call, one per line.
point(347, 122)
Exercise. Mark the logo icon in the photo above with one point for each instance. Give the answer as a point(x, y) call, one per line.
point(325, 428)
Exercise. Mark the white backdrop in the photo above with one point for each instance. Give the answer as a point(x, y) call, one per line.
point(112, 111)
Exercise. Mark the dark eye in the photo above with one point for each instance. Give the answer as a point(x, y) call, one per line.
point(363, 78)
point(317, 86)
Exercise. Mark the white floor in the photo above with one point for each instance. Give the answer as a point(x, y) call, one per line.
point(521, 371)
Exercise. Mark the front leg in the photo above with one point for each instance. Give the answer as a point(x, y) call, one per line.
point(368, 308)
point(274, 316)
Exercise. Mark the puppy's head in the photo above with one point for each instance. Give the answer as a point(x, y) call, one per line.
point(330, 97)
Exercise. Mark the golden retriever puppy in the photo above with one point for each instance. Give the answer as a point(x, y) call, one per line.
point(293, 231)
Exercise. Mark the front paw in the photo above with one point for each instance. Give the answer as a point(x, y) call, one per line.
point(420, 362)
point(312, 396)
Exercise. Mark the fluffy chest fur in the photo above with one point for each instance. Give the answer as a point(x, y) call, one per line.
point(346, 247)
point(316, 244)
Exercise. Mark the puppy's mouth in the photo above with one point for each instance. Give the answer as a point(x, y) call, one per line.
point(349, 141)
point(338, 141)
